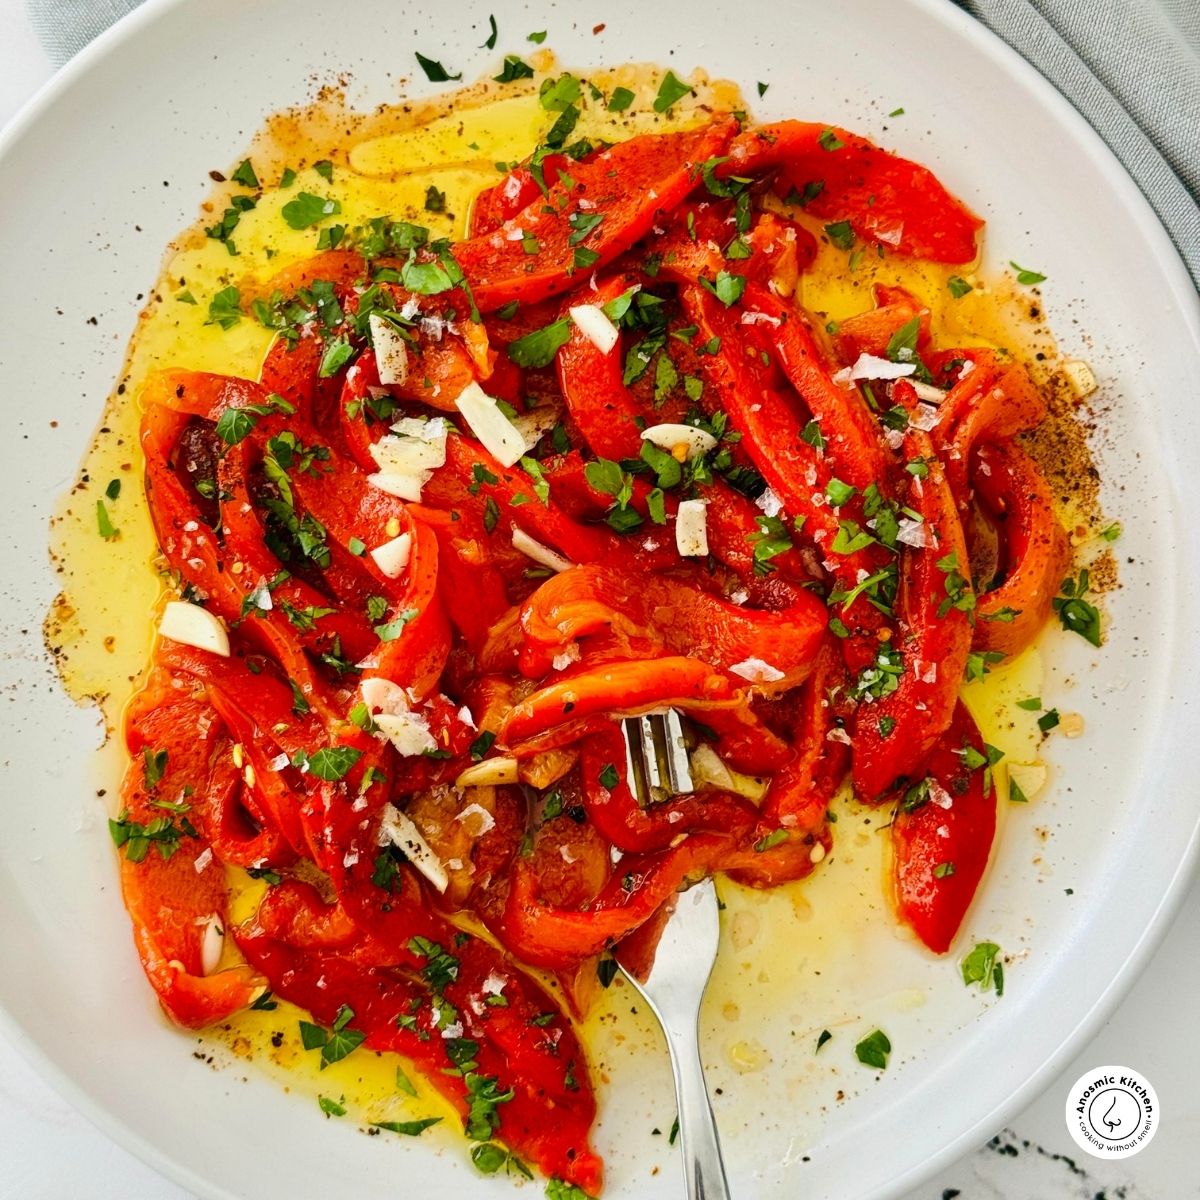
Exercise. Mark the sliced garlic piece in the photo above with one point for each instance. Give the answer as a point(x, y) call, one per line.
point(539, 553)
point(492, 772)
point(191, 625)
point(395, 827)
point(594, 324)
point(499, 436)
point(392, 557)
point(669, 436)
point(391, 351)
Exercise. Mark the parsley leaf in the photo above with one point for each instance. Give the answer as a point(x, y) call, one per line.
point(981, 966)
point(307, 210)
point(434, 71)
point(727, 287)
point(670, 91)
point(514, 68)
point(225, 308)
point(1077, 614)
point(537, 349)
point(873, 1050)
point(1026, 276)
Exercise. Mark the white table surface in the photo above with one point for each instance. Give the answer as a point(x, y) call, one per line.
point(48, 1151)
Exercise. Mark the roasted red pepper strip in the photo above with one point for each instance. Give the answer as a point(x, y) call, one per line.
point(887, 199)
point(625, 185)
point(603, 408)
point(512, 195)
point(619, 687)
point(559, 938)
point(171, 900)
point(870, 332)
point(1036, 552)
point(850, 432)
point(532, 1067)
point(942, 835)
point(894, 734)
point(771, 429)
point(656, 612)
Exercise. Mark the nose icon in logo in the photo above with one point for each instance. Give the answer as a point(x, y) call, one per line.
point(1114, 1113)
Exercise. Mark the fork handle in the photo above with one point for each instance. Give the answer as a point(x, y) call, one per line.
point(704, 1169)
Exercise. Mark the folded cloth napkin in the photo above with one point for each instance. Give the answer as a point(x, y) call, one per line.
point(64, 27)
point(1131, 67)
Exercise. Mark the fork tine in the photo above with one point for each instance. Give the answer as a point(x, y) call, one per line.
point(634, 760)
point(679, 768)
point(656, 756)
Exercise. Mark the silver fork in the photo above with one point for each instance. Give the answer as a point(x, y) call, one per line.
point(675, 981)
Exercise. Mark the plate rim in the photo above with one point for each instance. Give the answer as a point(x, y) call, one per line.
point(1184, 297)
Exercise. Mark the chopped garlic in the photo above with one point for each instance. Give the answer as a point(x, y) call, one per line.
point(1030, 778)
point(412, 453)
point(691, 529)
point(707, 767)
point(539, 553)
point(391, 352)
point(408, 732)
point(669, 435)
point(757, 671)
point(497, 433)
point(404, 487)
point(212, 944)
point(1079, 375)
point(592, 321)
point(1071, 723)
point(382, 695)
point(191, 625)
point(392, 557)
point(927, 392)
point(871, 366)
point(397, 828)
point(492, 772)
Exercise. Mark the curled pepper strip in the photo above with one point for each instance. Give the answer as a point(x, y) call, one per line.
point(887, 199)
point(559, 938)
point(616, 814)
point(1036, 551)
point(172, 900)
point(894, 734)
point(942, 835)
point(659, 614)
point(619, 688)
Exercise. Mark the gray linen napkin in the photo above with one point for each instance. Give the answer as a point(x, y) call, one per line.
point(1131, 67)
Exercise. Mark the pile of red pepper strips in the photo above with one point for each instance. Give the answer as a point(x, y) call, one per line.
point(869, 636)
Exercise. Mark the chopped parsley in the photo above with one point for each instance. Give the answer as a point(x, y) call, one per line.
point(1077, 614)
point(670, 91)
point(1025, 275)
point(982, 966)
point(308, 209)
point(434, 71)
point(873, 1050)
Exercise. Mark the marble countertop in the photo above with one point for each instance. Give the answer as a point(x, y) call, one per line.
point(51, 1151)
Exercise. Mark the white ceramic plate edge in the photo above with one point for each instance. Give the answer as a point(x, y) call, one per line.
point(1183, 296)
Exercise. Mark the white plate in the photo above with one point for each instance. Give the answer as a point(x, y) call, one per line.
point(177, 89)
